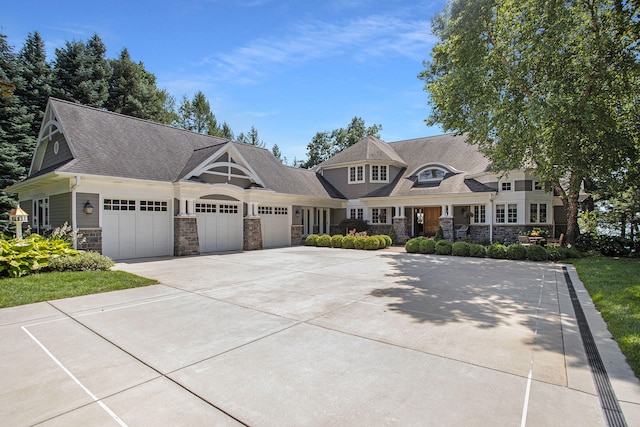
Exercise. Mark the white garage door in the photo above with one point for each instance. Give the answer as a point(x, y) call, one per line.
point(219, 226)
point(136, 228)
point(276, 227)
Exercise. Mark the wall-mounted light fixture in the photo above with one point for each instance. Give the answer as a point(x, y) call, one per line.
point(297, 212)
point(88, 209)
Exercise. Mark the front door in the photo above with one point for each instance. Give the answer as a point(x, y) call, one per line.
point(426, 220)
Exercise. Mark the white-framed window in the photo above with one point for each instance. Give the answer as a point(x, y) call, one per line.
point(500, 213)
point(537, 185)
point(119, 205)
point(479, 214)
point(512, 213)
point(40, 214)
point(431, 175)
point(356, 174)
point(505, 186)
point(356, 213)
point(538, 212)
point(379, 215)
point(153, 206)
point(379, 173)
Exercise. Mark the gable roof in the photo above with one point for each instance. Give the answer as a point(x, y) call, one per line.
point(369, 149)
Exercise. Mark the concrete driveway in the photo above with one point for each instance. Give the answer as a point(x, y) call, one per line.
point(313, 336)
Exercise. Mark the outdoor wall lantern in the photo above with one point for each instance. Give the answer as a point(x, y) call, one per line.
point(297, 212)
point(88, 209)
point(18, 216)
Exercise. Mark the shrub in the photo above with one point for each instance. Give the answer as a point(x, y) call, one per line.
point(477, 251)
point(412, 246)
point(324, 241)
point(353, 224)
point(387, 239)
point(336, 241)
point(537, 253)
point(21, 257)
point(461, 249)
point(430, 247)
point(393, 237)
point(439, 234)
point(556, 253)
point(423, 246)
point(573, 252)
point(372, 243)
point(614, 246)
point(311, 240)
point(516, 251)
point(360, 242)
point(348, 242)
point(82, 261)
point(443, 247)
point(497, 251)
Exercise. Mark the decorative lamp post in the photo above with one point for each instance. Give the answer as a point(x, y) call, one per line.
point(18, 216)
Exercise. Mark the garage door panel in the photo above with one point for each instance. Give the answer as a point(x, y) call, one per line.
point(276, 226)
point(219, 226)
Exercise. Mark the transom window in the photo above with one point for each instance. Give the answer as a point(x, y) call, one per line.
point(379, 215)
point(119, 205)
point(356, 174)
point(379, 173)
point(356, 213)
point(432, 174)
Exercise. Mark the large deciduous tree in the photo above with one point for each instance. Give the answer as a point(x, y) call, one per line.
point(549, 85)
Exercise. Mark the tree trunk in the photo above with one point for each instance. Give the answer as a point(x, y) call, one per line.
point(572, 205)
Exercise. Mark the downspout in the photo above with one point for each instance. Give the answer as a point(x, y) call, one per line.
point(491, 216)
point(74, 215)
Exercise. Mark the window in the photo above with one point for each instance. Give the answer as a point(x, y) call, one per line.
point(379, 173)
point(512, 213)
point(265, 210)
point(479, 214)
point(538, 212)
point(499, 213)
point(119, 205)
point(280, 211)
point(40, 215)
point(506, 186)
point(231, 209)
point(537, 185)
point(431, 175)
point(379, 215)
point(356, 174)
point(356, 213)
point(152, 206)
point(206, 208)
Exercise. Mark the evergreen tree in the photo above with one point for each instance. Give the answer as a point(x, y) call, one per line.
point(275, 150)
point(82, 73)
point(196, 115)
point(251, 138)
point(36, 77)
point(16, 143)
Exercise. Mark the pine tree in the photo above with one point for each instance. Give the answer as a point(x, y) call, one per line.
point(196, 115)
point(275, 150)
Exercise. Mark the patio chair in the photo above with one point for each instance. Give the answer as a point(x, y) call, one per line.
point(524, 240)
point(556, 243)
point(461, 232)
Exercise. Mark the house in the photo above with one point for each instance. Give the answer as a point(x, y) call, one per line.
point(135, 188)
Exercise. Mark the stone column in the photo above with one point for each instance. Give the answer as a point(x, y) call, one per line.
point(447, 227)
point(400, 228)
point(252, 235)
point(90, 239)
point(185, 236)
point(296, 235)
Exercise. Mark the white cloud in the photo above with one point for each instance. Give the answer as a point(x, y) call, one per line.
point(360, 39)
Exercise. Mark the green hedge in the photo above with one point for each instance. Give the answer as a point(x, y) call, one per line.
point(461, 249)
point(537, 253)
point(477, 251)
point(82, 261)
point(497, 251)
point(311, 240)
point(324, 241)
point(516, 251)
point(336, 241)
point(349, 242)
point(444, 247)
point(372, 243)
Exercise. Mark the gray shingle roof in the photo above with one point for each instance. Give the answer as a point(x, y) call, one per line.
point(368, 149)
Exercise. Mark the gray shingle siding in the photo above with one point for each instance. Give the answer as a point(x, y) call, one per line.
point(59, 209)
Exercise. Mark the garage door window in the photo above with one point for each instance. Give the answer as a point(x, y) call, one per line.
point(205, 208)
point(153, 206)
point(119, 205)
point(230, 209)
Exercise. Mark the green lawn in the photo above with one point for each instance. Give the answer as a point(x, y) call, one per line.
point(50, 286)
point(614, 286)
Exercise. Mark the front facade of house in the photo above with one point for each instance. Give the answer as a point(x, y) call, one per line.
point(136, 189)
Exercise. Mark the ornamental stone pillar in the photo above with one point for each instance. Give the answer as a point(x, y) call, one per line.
point(185, 236)
point(252, 235)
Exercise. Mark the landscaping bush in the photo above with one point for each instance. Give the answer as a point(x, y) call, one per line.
point(439, 234)
point(360, 242)
point(477, 251)
point(21, 257)
point(353, 224)
point(614, 246)
point(388, 241)
point(573, 252)
point(516, 251)
point(412, 246)
point(348, 242)
point(427, 246)
point(461, 249)
point(82, 261)
point(443, 247)
point(324, 241)
point(393, 237)
point(497, 251)
point(372, 243)
point(537, 253)
point(311, 240)
point(336, 241)
point(556, 253)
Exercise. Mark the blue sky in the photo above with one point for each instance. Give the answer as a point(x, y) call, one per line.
point(290, 68)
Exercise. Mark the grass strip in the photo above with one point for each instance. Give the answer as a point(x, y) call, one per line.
point(614, 286)
point(56, 285)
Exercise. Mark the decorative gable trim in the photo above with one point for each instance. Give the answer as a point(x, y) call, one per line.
point(50, 128)
point(227, 162)
point(436, 165)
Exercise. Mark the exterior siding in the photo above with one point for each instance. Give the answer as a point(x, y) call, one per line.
point(526, 185)
point(339, 178)
point(84, 220)
point(60, 209)
point(64, 153)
